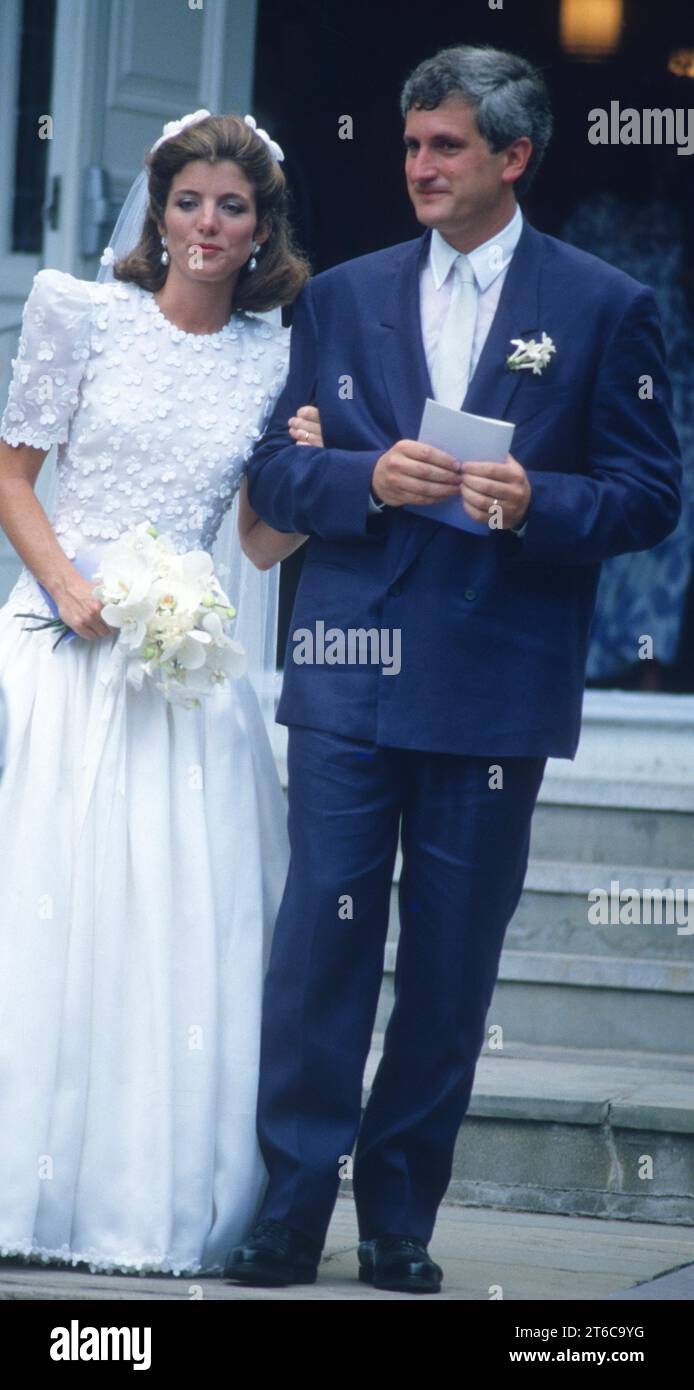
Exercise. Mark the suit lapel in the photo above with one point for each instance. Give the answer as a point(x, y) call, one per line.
point(492, 386)
point(401, 347)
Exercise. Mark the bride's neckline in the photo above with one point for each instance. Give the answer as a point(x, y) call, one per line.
point(183, 332)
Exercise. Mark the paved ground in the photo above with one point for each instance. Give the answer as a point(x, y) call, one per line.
point(525, 1256)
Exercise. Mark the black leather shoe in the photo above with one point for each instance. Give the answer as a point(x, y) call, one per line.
point(274, 1255)
point(400, 1263)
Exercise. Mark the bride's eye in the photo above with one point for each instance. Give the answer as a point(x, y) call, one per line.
point(186, 203)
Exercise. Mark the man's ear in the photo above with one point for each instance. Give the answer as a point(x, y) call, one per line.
point(519, 152)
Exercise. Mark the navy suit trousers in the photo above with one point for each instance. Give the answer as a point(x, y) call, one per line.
point(465, 851)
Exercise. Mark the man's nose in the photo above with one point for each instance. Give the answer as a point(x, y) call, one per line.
point(423, 166)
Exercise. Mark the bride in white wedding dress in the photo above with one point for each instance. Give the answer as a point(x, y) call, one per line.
point(143, 847)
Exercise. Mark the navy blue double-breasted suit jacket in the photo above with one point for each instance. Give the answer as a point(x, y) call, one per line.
point(494, 628)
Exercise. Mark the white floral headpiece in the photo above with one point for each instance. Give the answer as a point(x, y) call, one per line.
point(275, 150)
point(175, 127)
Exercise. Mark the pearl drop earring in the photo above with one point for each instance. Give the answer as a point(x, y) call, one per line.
point(254, 250)
point(164, 254)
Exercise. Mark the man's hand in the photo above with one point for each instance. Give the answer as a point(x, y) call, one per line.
point(505, 483)
point(416, 474)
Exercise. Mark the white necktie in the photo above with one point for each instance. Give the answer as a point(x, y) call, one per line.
point(451, 367)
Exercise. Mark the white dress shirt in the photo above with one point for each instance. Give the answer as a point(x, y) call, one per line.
point(489, 262)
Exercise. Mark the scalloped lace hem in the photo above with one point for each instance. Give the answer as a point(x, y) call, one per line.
point(18, 434)
point(123, 1263)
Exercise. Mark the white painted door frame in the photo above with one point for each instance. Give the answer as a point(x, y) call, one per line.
point(110, 98)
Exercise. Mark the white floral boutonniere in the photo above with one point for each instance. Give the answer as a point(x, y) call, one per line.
point(531, 354)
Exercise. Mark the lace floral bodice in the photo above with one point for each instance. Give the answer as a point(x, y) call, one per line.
point(152, 422)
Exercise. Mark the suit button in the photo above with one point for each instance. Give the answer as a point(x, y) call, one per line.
point(395, 589)
point(470, 593)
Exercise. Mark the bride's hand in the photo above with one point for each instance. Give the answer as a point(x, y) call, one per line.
point(304, 427)
point(79, 608)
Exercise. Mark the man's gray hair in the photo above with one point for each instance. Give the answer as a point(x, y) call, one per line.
point(506, 92)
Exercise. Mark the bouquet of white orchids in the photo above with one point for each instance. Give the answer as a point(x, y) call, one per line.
point(171, 613)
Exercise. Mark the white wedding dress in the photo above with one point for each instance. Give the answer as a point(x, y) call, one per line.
point(143, 845)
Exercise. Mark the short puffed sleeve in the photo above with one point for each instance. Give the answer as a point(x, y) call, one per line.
point(54, 348)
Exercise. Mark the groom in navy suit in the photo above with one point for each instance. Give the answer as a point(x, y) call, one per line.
point(448, 751)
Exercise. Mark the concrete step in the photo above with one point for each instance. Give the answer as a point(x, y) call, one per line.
point(553, 911)
point(571, 999)
point(632, 736)
point(581, 1131)
point(563, 980)
point(613, 1003)
point(594, 821)
point(552, 914)
point(628, 796)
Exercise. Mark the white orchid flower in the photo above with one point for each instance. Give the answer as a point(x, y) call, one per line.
point(196, 567)
point(191, 651)
point(213, 624)
point(131, 619)
point(229, 659)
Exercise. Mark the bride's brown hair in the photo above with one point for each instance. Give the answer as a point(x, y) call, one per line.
point(281, 270)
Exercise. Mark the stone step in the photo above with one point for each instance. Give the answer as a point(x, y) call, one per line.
point(552, 914)
point(613, 1003)
point(629, 823)
point(568, 999)
point(632, 736)
point(581, 1131)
